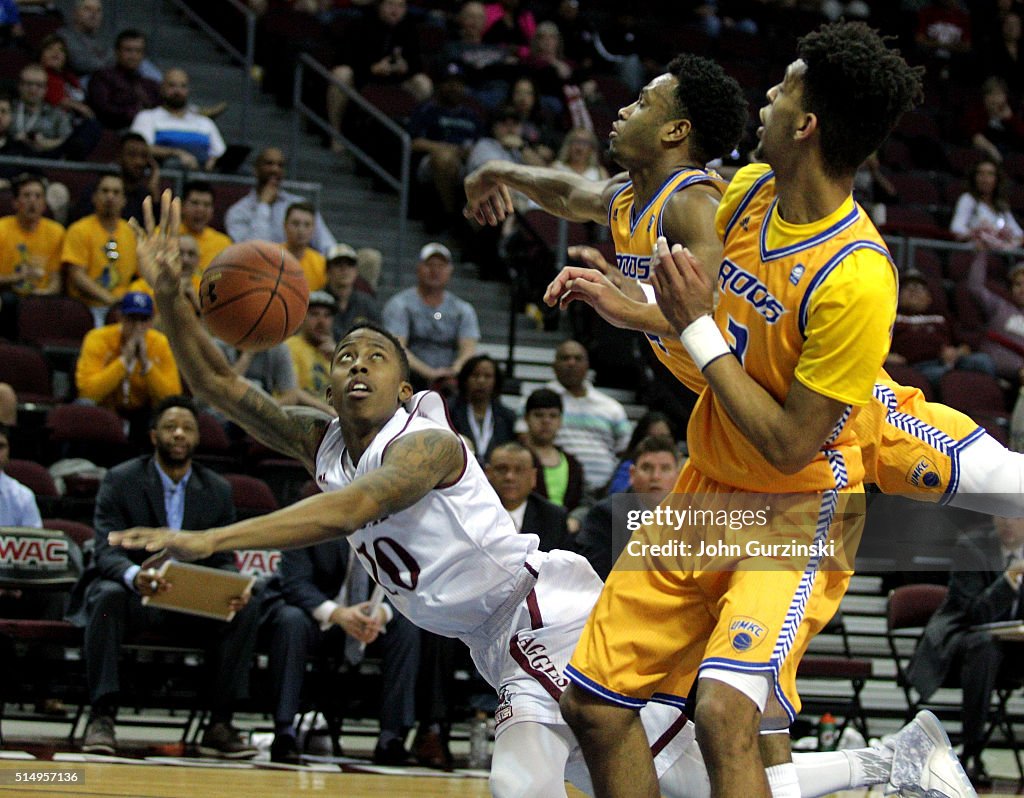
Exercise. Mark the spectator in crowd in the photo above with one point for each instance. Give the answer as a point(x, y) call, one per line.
point(477, 411)
point(993, 127)
point(99, 250)
point(594, 426)
point(312, 347)
point(982, 212)
point(88, 50)
point(260, 213)
point(506, 143)
point(438, 329)
point(352, 305)
point(197, 203)
point(318, 603)
point(9, 145)
point(12, 32)
point(128, 366)
point(299, 222)
point(17, 502)
point(1003, 57)
point(510, 24)
point(443, 131)
point(560, 474)
point(653, 423)
point(579, 154)
point(43, 128)
point(511, 472)
point(30, 244)
point(1004, 341)
point(63, 89)
point(923, 338)
point(872, 188)
point(486, 68)
point(547, 66)
point(177, 135)
point(165, 489)
point(541, 128)
point(379, 48)
point(943, 35)
point(140, 174)
point(651, 477)
point(8, 406)
point(117, 93)
point(984, 587)
point(273, 371)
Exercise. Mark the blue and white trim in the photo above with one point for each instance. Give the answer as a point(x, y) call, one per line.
point(747, 198)
point(782, 252)
point(828, 268)
point(588, 684)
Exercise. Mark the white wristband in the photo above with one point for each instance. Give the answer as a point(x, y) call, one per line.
point(704, 341)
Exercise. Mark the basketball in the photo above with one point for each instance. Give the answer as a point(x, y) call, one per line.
point(253, 295)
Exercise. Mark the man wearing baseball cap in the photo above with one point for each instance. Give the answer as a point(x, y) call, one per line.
point(352, 305)
point(312, 347)
point(438, 329)
point(128, 366)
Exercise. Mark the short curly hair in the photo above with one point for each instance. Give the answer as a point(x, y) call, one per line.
point(713, 102)
point(858, 88)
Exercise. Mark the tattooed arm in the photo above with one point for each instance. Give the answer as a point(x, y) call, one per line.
point(295, 432)
point(413, 466)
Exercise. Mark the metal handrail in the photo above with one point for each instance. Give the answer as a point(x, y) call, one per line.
point(913, 244)
point(247, 59)
point(302, 111)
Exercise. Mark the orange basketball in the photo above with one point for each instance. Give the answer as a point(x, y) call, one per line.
point(253, 295)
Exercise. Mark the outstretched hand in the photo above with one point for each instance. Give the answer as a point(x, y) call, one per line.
point(681, 285)
point(159, 259)
point(488, 200)
point(593, 258)
point(185, 546)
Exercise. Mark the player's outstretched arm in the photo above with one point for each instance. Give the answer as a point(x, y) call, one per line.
point(563, 194)
point(414, 465)
point(296, 432)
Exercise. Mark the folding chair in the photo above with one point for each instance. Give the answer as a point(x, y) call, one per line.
point(832, 668)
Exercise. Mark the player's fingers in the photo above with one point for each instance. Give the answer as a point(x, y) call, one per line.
point(136, 228)
point(506, 196)
point(175, 220)
point(147, 215)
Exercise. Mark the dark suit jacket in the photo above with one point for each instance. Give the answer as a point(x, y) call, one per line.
point(548, 521)
point(504, 425)
point(573, 491)
point(596, 540)
point(978, 593)
point(132, 495)
point(309, 576)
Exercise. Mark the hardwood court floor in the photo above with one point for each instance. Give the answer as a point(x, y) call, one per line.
point(157, 781)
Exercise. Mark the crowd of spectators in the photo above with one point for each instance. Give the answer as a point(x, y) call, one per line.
point(535, 83)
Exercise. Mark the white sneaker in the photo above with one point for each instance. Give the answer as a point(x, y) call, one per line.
point(924, 764)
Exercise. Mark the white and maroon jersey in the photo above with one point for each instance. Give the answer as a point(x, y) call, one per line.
point(451, 559)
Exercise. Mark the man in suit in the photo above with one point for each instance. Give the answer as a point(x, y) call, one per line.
point(985, 587)
point(512, 474)
point(318, 601)
point(651, 477)
point(165, 489)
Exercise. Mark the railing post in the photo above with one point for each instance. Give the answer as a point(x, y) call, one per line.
point(247, 80)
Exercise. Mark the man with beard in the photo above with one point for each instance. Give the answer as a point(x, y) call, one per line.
point(167, 489)
point(177, 133)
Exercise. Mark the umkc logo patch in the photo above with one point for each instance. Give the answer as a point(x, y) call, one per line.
point(924, 473)
point(746, 633)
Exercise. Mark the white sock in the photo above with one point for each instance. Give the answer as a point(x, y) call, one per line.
point(783, 781)
point(826, 772)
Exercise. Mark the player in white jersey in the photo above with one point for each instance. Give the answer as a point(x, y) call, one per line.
point(428, 527)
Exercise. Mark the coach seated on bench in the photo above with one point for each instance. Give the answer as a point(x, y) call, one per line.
point(318, 603)
point(165, 489)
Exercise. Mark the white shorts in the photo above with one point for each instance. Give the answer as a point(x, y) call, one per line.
point(526, 664)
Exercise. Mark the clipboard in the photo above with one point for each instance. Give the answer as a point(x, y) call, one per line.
point(199, 590)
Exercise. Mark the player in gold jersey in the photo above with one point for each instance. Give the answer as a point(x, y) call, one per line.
point(819, 378)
